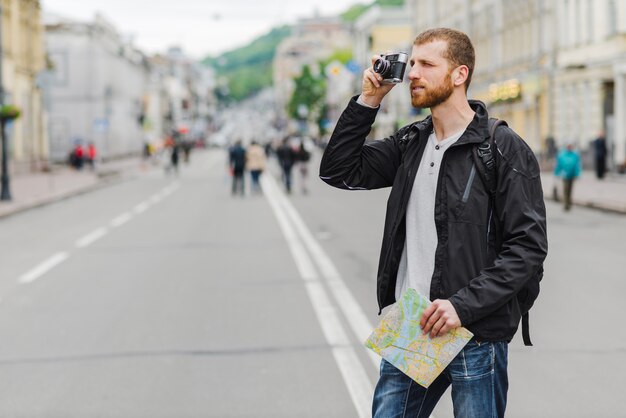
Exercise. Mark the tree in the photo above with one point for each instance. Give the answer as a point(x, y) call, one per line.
point(307, 100)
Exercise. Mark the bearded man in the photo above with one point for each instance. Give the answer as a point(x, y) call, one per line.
point(444, 235)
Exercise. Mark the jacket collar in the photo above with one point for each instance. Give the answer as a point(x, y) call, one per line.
point(477, 131)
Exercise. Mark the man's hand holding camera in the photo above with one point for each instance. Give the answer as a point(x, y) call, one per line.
point(386, 71)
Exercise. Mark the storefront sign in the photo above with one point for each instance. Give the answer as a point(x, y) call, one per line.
point(506, 91)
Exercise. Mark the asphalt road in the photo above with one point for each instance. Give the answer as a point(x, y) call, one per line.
point(164, 296)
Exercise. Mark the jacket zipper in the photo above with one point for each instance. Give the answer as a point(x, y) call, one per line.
point(470, 181)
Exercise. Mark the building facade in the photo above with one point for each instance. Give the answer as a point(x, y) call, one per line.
point(590, 79)
point(552, 68)
point(23, 60)
point(95, 89)
point(514, 43)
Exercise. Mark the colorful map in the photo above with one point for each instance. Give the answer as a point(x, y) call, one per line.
point(399, 340)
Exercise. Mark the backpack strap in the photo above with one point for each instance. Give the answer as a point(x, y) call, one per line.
point(485, 161)
point(526, 330)
point(485, 158)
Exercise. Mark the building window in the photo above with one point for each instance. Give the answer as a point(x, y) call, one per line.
point(577, 23)
point(612, 17)
point(590, 36)
point(565, 18)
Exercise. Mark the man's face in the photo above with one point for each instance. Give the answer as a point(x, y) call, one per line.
point(430, 75)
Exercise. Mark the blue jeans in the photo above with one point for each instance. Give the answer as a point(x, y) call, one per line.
point(479, 385)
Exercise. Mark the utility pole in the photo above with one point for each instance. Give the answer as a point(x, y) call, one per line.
point(5, 193)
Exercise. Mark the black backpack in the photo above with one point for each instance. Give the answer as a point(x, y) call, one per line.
point(485, 161)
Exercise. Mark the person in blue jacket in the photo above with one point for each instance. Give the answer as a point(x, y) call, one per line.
point(568, 167)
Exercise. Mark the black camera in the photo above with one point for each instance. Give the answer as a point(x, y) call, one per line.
point(391, 67)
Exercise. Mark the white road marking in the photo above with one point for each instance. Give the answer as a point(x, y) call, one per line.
point(44, 267)
point(141, 207)
point(358, 383)
point(356, 318)
point(121, 220)
point(155, 199)
point(351, 309)
point(91, 237)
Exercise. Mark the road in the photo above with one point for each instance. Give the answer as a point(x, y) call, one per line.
point(167, 297)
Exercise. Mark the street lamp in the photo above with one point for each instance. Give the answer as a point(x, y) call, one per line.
point(5, 193)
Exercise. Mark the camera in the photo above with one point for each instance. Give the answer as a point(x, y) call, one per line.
point(391, 67)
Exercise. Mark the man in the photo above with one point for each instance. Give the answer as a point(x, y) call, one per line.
point(599, 155)
point(568, 166)
point(255, 163)
point(237, 164)
point(286, 158)
point(442, 237)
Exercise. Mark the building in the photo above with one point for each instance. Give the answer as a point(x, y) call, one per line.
point(312, 41)
point(590, 74)
point(188, 86)
point(515, 53)
point(23, 60)
point(95, 88)
point(552, 68)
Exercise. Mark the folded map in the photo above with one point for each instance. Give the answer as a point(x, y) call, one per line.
point(400, 340)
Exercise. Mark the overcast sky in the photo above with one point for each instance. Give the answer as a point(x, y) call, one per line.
point(201, 27)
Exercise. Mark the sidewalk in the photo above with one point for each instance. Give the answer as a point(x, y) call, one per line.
point(37, 189)
point(608, 194)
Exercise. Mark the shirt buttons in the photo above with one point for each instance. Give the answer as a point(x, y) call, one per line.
point(437, 147)
point(432, 164)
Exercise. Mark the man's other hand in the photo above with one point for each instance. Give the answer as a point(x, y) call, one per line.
point(439, 318)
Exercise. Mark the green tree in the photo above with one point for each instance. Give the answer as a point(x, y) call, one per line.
point(309, 94)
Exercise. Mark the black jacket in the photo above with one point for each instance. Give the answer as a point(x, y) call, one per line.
point(478, 272)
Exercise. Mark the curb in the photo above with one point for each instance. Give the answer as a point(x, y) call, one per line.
point(591, 205)
point(101, 183)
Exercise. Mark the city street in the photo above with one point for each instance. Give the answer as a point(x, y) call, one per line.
point(164, 296)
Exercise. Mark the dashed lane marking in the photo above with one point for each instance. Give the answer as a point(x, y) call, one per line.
point(44, 267)
point(51, 262)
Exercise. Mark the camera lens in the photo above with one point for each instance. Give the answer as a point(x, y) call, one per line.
point(381, 66)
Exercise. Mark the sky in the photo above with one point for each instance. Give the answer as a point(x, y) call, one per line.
point(200, 27)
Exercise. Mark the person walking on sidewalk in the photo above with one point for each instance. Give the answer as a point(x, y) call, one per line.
point(443, 235)
point(255, 163)
point(237, 162)
point(568, 166)
point(303, 157)
point(77, 156)
point(91, 155)
point(286, 158)
point(599, 155)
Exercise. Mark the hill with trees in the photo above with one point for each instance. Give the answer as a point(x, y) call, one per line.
point(244, 71)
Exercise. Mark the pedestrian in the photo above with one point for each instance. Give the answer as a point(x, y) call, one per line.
point(174, 156)
point(78, 156)
point(599, 155)
point(255, 163)
point(443, 235)
point(91, 155)
point(237, 164)
point(568, 167)
point(286, 159)
point(303, 157)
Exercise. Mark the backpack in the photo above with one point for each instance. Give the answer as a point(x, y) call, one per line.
point(485, 162)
